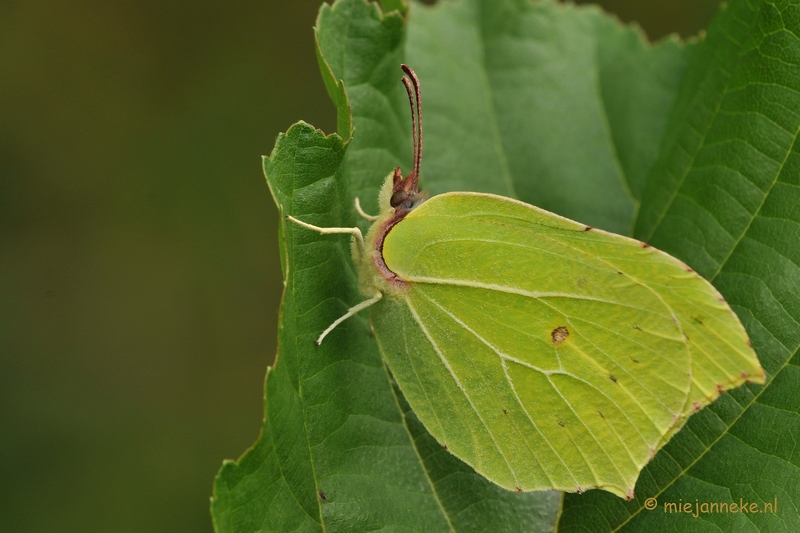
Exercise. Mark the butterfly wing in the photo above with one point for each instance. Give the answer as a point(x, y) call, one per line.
point(545, 354)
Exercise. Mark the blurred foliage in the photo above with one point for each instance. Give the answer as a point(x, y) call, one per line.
point(139, 273)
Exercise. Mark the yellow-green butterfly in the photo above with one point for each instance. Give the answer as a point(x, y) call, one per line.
point(544, 353)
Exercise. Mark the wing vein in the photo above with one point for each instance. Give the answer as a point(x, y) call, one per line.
point(449, 368)
point(522, 292)
point(500, 357)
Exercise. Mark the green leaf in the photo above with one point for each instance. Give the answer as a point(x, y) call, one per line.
point(363, 49)
point(274, 482)
point(340, 450)
point(394, 5)
point(559, 106)
point(725, 197)
point(334, 422)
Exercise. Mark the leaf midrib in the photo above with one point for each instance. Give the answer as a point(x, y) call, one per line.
point(497, 139)
point(775, 180)
point(416, 451)
point(691, 164)
point(612, 142)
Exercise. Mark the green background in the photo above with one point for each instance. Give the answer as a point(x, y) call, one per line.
point(139, 273)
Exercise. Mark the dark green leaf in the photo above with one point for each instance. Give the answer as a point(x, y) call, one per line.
point(273, 487)
point(340, 450)
point(725, 198)
point(392, 5)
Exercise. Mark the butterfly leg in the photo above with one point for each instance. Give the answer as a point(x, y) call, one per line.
point(362, 214)
point(350, 312)
point(355, 232)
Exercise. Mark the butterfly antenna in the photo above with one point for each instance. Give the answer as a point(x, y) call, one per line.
point(409, 90)
point(411, 81)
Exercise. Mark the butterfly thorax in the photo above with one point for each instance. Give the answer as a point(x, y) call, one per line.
point(395, 202)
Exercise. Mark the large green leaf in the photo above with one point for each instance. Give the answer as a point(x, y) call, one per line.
point(559, 106)
point(725, 197)
point(340, 450)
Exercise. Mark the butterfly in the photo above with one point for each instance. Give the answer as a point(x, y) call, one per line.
point(544, 353)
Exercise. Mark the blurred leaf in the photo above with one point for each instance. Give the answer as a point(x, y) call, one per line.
point(340, 450)
point(391, 5)
point(560, 106)
point(725, 197)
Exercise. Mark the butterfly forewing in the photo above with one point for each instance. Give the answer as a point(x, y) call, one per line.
point(563, 357)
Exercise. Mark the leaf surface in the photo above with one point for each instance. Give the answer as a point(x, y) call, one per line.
point(559, 106)
point(725, 197)
point(340, 451)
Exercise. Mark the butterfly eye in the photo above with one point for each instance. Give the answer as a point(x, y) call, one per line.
point(398, 198)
